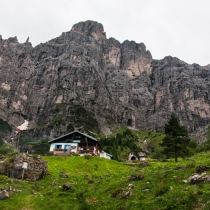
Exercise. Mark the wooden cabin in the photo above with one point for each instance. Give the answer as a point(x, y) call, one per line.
point(79, 143)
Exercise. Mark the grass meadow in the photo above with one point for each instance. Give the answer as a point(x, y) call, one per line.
point(98, 183)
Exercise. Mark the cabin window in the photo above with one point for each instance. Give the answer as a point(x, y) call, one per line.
point(76, 141)
point(67, 147)
point(58, 146)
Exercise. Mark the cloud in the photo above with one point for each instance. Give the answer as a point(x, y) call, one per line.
point(177, 28)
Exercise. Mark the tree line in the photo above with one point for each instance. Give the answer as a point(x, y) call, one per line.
point(174, 143)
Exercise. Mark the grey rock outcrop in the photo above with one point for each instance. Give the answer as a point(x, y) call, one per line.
point(196, 178)
point(201, 168)
point(83, 77)
point(66, 186)
point(10, 189)
point(3, 194)
point(23, 166)
point(135, 177)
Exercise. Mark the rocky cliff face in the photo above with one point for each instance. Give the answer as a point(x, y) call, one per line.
point(83, 78)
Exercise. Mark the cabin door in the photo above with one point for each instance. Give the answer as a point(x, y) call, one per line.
point(67, 147)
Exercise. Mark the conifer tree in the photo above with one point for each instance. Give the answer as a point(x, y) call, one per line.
point(176, 140)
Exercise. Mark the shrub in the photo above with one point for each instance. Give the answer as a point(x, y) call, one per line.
point(88, 157)
point(6, 148)
point(136, 176)
point(96, 166)
point(117, 192)
point(41, 147)
point(50, 154)
point(192, 164)
point(4, 126)
point(4, 179)
point(161, 190)
point(74, 154)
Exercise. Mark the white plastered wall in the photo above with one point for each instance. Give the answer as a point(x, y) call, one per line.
point(52, 146)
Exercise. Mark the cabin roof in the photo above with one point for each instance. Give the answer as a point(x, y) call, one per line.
point(84, 134)
point(107, 153)
point(141, 154)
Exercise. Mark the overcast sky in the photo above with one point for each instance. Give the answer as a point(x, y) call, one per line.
point(180, 28)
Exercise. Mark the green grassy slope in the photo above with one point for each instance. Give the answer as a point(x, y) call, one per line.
point(162, 187)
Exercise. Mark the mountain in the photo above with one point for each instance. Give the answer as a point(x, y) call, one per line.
point(81, 78)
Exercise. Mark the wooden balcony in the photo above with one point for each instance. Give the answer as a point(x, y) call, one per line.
point(85, 151)
point(63, 152)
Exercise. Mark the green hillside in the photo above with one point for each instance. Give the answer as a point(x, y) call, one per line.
point(97, 183)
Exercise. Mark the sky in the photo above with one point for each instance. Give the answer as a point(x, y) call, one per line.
point(179, 28)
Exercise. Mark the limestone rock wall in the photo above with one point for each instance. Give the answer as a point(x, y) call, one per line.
point(112, 80)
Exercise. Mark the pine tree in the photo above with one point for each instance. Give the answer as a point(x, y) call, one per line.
point(176, 140)
point(206, 145)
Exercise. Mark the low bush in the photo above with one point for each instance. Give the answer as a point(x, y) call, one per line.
point(6, 149)
point(50, 154)
point(161, 190)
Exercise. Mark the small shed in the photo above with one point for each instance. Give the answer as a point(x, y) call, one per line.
point(142, 156)
point(132, 157)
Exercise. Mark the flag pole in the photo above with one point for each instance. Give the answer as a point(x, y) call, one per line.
point(18, 141)
point(23, 126)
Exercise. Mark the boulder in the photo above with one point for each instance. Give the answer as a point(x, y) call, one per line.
point(22, 166)
point(127, 195)
point(201, 168)
point(64, 175)
point(90, 181)
point(66, 186)
point(117, 192)
point(130, 186)
point(4, 194)
point(196, 178)
point(135, 177)
point(2, 157)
